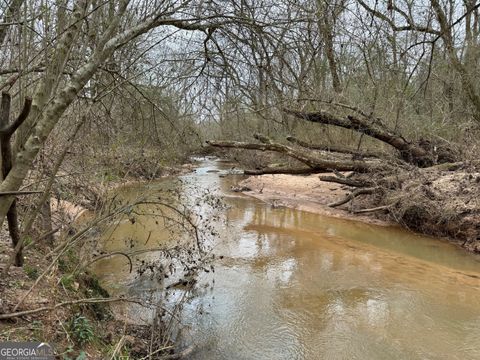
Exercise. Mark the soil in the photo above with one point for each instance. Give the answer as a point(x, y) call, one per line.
point(440, 203)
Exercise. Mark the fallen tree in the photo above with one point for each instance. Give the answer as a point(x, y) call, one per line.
point(421, 153)
point(430, 189)
point(315, 161)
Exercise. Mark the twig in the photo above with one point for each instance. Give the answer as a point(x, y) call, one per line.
point(66, 303)
point(41, 237)
point(179, 355)
point(156, 352)
point(17, 193)
point(118, 347)
point(378, 208)
point(108, 255)
point(65, 330)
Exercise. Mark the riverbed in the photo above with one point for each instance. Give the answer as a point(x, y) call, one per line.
point(289, 284)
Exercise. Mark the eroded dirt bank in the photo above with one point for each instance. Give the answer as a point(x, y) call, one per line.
point(442, 204)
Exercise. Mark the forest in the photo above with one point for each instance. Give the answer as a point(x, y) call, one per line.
point(379, 98)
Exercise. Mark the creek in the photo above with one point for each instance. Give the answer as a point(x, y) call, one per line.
point(296, 285)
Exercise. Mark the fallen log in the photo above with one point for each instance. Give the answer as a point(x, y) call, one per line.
point(375, 209)
point(337, 149)
point(19, 193)
point(454, 166)
point(312, 160)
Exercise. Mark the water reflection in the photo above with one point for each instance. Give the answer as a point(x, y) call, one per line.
point(294, 285)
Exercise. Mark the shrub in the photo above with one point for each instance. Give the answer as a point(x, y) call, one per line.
point(81, 330)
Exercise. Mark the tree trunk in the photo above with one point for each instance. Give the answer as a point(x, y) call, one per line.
point(9, 16)
point(6, 132)
point(314, 161)
point(46, 215)
point(327, 32)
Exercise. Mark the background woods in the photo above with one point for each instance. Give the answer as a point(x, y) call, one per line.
point(99, 91)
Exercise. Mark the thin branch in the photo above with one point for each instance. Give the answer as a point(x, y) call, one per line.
point(67, 303)
point(104, 256)
point(410, 27)
point(18, 193)
point(378, 208)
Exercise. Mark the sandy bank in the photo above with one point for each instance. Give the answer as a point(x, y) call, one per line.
point(306, 193)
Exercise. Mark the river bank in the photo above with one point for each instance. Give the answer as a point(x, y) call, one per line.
point(309, 193)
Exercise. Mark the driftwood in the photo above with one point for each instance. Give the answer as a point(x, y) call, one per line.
point(374, 209)
point(19, 193)
point(68, 303)
point(344, 181)
point(353, 195)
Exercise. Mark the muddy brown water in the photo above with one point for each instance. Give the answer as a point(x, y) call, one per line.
point(296, 285)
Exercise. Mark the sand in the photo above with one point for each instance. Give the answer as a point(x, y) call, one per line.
point(304, 192)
